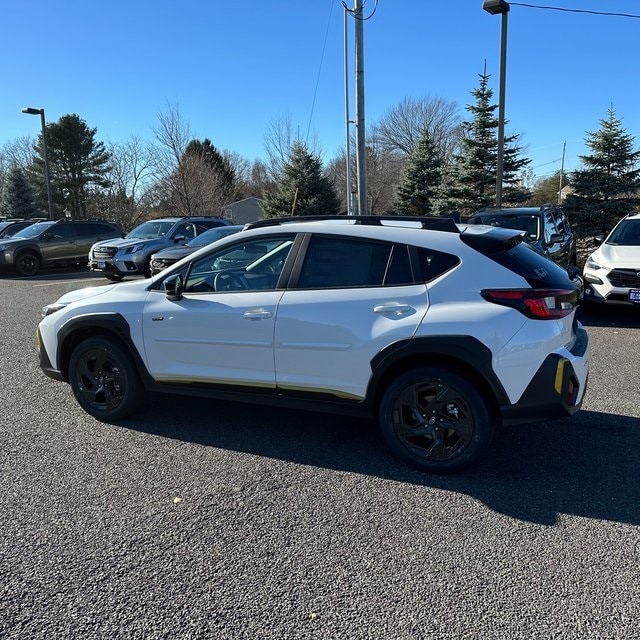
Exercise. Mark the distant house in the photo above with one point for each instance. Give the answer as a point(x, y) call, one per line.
point(243, 211)
point(565, 191)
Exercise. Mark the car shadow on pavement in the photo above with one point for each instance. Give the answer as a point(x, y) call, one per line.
point(623, 317)
point(588, 466)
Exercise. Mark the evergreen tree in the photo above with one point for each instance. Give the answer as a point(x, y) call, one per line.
point(421, 179)
point(17, 195)
point(223, 173)
point(470, 183)
point(302, 189)
point(77, 164)
point(607, 187)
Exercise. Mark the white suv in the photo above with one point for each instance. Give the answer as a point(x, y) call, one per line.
point(439, 331)
point(612, 272)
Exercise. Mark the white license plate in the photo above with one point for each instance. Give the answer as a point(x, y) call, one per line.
point(634, 295)
point(101, 264)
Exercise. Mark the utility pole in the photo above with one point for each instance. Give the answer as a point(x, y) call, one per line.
point(361, 157)
point(346, 114)
point(564, 147)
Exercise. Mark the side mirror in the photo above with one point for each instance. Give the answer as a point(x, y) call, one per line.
point(599, 239)
point(173, 287)
point(556, 238)
point(177, 239)
point(48, 236)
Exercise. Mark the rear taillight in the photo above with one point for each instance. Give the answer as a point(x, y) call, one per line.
point(541, 304)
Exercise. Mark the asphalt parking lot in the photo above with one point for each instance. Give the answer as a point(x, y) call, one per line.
point(200, 519)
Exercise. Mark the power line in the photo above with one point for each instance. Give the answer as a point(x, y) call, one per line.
point(315, 92)
point(544, 164)
point(351, 11)
point(595, 13)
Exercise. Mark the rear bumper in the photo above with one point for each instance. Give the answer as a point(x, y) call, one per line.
point(558, 388)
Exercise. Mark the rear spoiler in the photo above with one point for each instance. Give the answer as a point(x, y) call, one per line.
point(488, 240)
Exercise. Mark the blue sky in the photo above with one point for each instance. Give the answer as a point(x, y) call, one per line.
point(234, 68)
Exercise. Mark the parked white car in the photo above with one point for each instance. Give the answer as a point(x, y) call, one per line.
point(440, 332)
point(612, 271)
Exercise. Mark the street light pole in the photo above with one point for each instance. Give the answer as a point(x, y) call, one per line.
point(34, 112)
point(500, 7)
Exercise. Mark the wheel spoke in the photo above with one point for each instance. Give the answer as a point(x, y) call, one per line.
point(432, 419)
point(100, 379)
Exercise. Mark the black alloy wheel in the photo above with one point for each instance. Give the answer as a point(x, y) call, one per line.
point(104, 379)
point(27, 264)
point(435, 420)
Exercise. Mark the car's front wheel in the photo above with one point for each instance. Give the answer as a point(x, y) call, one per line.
point(435, 420)
point(113, 277)
point(28, 263)
point(104, 379)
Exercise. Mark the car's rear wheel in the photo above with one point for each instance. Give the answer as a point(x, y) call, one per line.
point(104, 379)
point(27, 263)
point(435, 420)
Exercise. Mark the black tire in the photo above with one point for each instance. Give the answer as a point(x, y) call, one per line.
point(104, 379)
point(113, 277)
point(27, 263)
point(435, 420)
point(146, 272)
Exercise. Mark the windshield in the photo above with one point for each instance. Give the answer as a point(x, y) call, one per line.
point(626, 233)
point(211, 236)
point(33, 230)
point(528, 223)
point(151, 229)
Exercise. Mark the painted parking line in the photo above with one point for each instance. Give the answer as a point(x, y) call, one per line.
point(58, 282)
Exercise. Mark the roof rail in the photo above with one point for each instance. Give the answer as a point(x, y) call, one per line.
point(435, 223)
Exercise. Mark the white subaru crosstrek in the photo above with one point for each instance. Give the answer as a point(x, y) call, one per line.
point(441, 332)
point(612, 271)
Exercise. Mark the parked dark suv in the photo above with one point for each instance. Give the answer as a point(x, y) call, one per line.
point(546, 228)
point(53, 243)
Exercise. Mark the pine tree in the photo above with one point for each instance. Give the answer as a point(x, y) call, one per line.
point(17, 195)
point(607, 187)
point(77, 164)
point(470, 183)
point(302, 189)
point(421, 179)
point(225, 177)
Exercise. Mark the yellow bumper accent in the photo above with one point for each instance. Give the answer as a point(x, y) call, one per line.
point(560, 375)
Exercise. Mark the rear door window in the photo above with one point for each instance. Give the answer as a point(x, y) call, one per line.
point(333, 262)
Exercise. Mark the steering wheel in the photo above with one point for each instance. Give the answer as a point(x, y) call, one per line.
point(230, 281)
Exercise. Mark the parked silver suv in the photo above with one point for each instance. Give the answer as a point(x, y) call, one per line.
point(132, 254)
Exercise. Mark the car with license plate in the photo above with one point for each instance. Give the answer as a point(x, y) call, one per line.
point(441, 333)
point(612, 271)
point(167, 257)
point(131, 255)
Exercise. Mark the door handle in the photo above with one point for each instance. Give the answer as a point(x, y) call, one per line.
point(257, 314)
point(394, 308)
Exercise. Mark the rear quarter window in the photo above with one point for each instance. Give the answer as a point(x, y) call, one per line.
point(434, 263)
